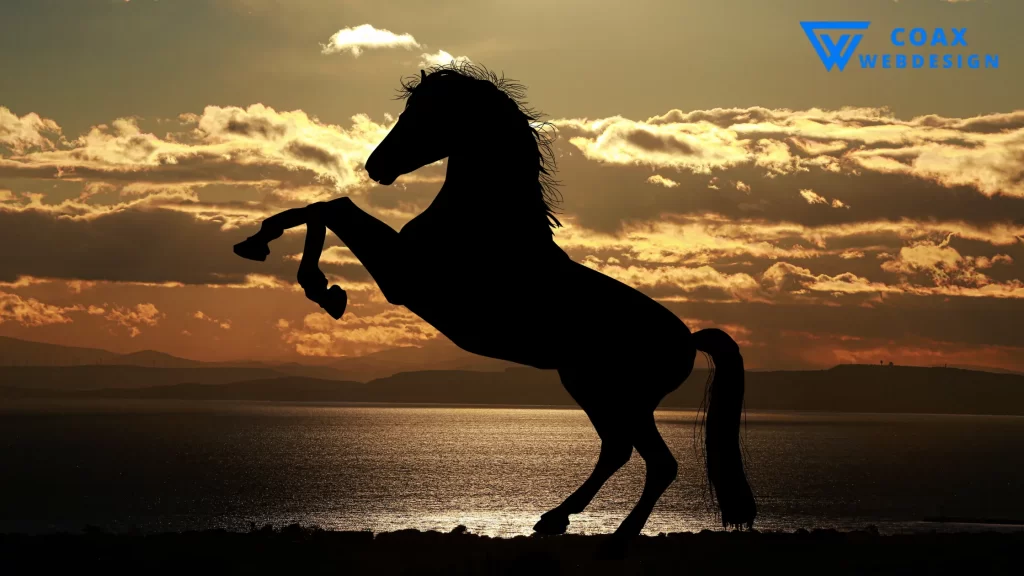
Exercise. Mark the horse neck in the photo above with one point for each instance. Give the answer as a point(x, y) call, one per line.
point(491, 182)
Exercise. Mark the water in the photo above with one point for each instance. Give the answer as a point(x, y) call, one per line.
point(157, 466)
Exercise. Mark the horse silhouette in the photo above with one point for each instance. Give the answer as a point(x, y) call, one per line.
point(481, 266)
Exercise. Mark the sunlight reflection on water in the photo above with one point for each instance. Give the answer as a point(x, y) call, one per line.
point(173, 466)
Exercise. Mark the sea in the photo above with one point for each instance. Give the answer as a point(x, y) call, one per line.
point(158, 466)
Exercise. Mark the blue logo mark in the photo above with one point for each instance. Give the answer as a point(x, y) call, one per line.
point(835, 43)
point(834, 52)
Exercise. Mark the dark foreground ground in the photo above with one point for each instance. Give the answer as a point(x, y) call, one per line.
point(296, 550)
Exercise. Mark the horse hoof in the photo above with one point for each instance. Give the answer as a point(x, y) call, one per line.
point(334, 302)
point(252, 250)
point(551, 524)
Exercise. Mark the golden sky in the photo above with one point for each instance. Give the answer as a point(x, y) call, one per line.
point(706, 158)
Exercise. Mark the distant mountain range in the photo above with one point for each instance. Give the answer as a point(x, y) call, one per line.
point(439, 356)
point(840, 389)
point(90, 373)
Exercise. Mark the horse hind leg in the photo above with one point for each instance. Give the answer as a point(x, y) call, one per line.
point(615, 453)
point(662, 469)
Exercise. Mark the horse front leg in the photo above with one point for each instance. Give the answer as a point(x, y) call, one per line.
point(375, 244)
point(313, 281)
point(257, 246)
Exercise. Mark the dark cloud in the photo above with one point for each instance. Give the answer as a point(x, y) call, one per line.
point(604, 196)
point(660, 143)
point(132, 246)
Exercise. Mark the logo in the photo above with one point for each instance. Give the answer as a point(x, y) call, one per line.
point(834, 52)
point(836, 43)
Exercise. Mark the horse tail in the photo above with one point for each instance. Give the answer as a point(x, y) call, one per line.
point(723, 404)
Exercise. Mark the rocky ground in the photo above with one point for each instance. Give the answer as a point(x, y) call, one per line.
point(295, 550)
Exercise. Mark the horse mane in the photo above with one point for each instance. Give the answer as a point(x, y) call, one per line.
point(547, 187)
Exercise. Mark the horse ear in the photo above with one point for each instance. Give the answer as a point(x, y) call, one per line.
point(423, 75)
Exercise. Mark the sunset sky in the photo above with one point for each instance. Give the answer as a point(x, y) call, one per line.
point(706, 157)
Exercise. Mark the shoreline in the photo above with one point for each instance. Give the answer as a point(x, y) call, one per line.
point(27, 404)
point(293, 548)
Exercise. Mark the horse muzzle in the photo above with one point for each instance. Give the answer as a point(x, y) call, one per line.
point(384, 180)
point(379, 174)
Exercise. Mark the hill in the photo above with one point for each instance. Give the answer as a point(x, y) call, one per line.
point(122, 377)
point(433, 356)
point(849, 388)
point(869, 388)
point(15, 352)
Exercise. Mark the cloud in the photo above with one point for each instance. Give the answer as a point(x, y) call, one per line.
point(784, 277)
point(135, 317)
point(29, 131)
point(696, 259)
point(255, 146)
point(31, 312)
point(441, 58)
point(223, 324)
point(185, 197)
point(983, 262)
point(983, 152)
point(707, 238)
point(926, 256)
point(662, 181)
point(949, 269)
point(618, 140)
point(24, 282)
point(750, 256)
point(703, 282)
point(812, 198)
point(355, 40)
point(77, 286)
point(355, 334)
point(336, 255)
point(165, 247)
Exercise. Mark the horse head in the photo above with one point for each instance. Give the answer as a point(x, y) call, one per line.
point(424, 133)
point(463, 110)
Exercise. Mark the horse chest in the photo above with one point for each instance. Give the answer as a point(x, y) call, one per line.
point(436, 243)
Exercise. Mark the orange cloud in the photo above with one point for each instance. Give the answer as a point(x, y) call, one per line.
point(31, 312)
point(132, 318)
point(948, 151)
point(28, 131)
point(256, 145)
point(223, 324)
point(24, 281)
point(355, 334)
point(812, 198)
point(662, 181)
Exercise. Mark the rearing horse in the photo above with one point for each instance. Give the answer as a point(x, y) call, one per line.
point(481, 266)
